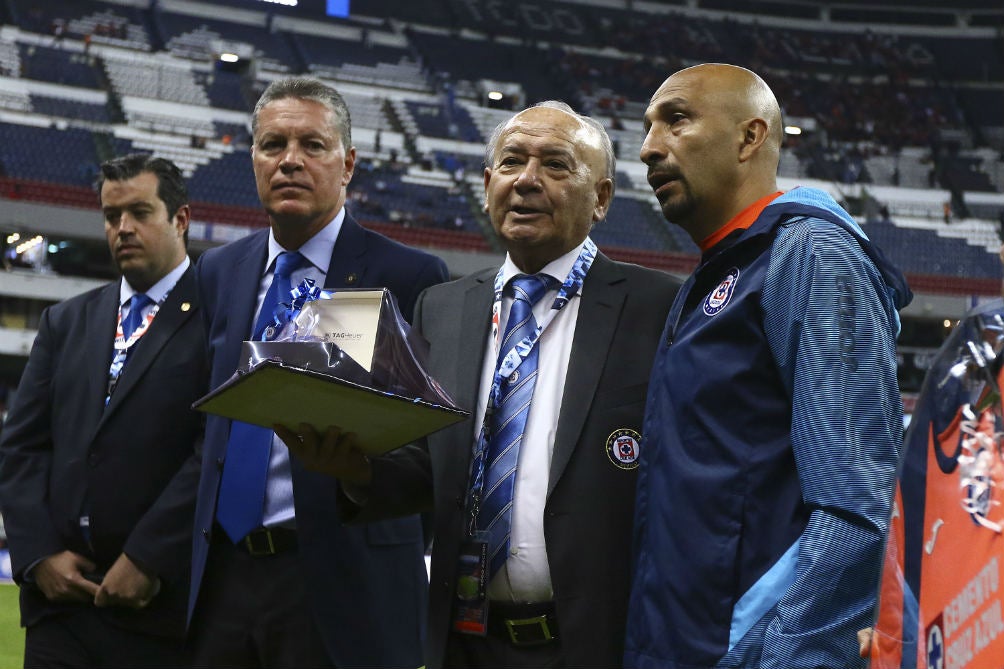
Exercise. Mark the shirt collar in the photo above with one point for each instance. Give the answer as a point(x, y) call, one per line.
point(317, 249)
point(740, 221)
point(159, 290)
point(557, 268)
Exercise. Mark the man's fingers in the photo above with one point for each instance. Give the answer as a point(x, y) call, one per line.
point(126, 584)
point(60, 577)
point(89, 587)
point(865, 641)
point(289, 437)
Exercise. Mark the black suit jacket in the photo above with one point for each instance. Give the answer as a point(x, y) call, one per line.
point(131, 465)
point(367, 585)
point(590, 501)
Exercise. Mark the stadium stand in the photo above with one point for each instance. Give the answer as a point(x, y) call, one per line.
point(902, 120)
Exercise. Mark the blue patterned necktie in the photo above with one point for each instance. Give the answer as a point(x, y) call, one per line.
point(508, 420)
point(128, 325)
point(245, 469)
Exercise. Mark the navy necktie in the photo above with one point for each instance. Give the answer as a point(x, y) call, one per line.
point(508, 420)
point(245, 469)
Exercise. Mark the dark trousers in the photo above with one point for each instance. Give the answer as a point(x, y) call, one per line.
point(254, 612)
point(84, 639)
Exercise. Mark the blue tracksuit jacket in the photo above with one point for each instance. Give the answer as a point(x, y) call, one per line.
point(771, 442)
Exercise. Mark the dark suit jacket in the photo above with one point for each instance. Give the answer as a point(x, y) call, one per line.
point(131, 464)
point(590, 504)
point(367, 584)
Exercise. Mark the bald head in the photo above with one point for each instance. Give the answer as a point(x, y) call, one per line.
point(712, 146)
point(740, 92)
point(593, 133)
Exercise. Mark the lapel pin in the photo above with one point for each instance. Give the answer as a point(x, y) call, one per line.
point(624, 448)
point(351, 278)
point(185, 306)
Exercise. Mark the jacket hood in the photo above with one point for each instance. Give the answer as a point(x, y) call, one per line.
point(815, 203)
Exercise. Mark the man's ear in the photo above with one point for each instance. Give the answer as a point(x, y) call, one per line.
point(488, 177)
point(350, 166)
point(604, 194)
point(755, 132)
point(183, 217)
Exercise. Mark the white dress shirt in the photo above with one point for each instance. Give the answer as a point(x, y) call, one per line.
point(525, 577)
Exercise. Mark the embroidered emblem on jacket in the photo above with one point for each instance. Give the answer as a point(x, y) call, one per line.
point(720, 296)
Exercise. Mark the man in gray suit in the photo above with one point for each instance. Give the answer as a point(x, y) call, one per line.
point(550, 587)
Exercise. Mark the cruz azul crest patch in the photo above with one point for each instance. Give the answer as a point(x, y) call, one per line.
point(624, 448)
point(720, 296)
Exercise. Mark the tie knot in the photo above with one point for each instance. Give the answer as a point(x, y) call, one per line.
point(531, 287)
point(132, 321)
point(287, 263)
point(138, 302)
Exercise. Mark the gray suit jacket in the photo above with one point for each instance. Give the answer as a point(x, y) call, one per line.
point(590, 504)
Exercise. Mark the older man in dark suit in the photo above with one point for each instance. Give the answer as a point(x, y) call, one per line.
point(534, 495)
point(276, 580)
point(99, 465)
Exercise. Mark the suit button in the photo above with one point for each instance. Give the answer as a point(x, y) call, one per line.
point(460, 501)
point(92, 459)
point(206, 534)
point(219, 464)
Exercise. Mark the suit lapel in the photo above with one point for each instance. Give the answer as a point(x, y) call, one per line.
point(175, 312)
point(471, 324)
point(244, 296)
point(99, 326)
point(603, 296)
point(475, 321)
point(348, 257)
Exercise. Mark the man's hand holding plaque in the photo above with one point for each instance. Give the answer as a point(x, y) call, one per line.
point(334, 453)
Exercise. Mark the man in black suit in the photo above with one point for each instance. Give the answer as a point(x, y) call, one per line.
point(97, 462)
point(555, 593)
point(277, 581)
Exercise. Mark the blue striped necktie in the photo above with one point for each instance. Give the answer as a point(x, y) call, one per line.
point(508, 420)
point(245, 469)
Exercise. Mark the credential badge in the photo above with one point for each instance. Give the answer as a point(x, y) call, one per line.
point(720, 296)
point(624, 448)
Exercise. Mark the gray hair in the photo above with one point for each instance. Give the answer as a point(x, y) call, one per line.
point(605, 144)
point(308, 88)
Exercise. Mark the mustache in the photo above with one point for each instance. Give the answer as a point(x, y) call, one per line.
point(659, 176)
